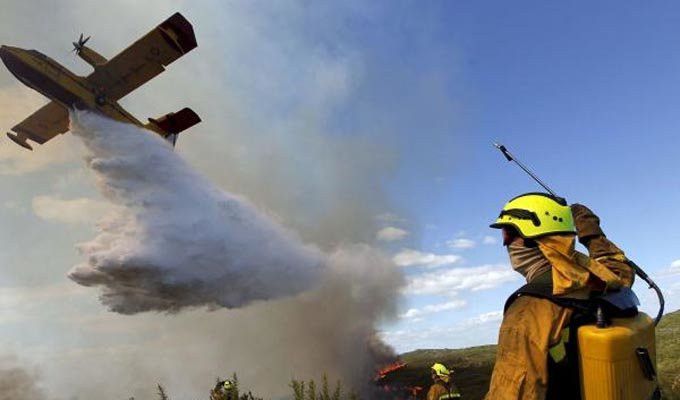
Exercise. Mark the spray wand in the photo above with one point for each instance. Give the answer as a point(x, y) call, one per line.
point(510, 157)
point(639, 271)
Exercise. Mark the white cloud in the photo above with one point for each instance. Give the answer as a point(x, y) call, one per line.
point(389, 218)
point(73, 211)
point(489, 240)
point(418, 313)
point(675, 266)
point(452, 280)
point(390, 234)
point(486, 317)
point(671, 270)
point(473, 331)
point(409, 257)
point(461, 243)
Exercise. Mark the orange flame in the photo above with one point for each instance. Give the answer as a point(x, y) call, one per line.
point(395, 366)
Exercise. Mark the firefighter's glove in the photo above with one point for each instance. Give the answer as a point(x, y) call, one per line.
point(587, 223)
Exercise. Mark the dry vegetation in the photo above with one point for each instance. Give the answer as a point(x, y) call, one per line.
point(302, 390)
point(473, 369)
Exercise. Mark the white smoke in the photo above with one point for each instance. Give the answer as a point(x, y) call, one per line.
point(176, 240)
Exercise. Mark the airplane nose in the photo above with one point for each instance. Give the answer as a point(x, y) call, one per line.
point(5, 48)
point(5, 51)
point(8, 49)
point(9, 53)
point(10, 58)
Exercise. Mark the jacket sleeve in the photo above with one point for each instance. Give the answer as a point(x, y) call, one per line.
point(600, 248)
point(604, 251)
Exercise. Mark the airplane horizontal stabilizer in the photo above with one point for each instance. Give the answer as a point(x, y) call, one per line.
point(20, 139)
point(174, 123)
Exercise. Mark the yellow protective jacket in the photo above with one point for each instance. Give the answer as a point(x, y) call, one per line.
point(531, 326)
point(604, 268)
point(440, 391)
point(221, 394)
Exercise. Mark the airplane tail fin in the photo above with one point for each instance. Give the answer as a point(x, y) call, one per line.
point(173, 123)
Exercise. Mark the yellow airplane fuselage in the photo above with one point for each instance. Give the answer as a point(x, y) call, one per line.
point(56, 82)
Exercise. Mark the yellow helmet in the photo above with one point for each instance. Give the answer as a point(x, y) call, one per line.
point(537, 214)
point(226, 385)
point(441, 371)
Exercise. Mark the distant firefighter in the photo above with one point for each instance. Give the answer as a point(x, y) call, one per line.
point(443, 388)
point(224, 390)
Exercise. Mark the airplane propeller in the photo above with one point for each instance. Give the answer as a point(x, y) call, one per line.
point(78, 46)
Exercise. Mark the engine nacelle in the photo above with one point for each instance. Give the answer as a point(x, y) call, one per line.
point(91, 57)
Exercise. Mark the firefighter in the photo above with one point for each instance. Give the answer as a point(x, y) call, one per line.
point(442, 388)
point(224, 390)
point(540, 231)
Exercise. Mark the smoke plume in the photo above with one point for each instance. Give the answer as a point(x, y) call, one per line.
point(16, 383)
point(174, 240)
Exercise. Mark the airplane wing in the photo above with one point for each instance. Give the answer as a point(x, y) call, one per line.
point(42, 125)
point(145, 58)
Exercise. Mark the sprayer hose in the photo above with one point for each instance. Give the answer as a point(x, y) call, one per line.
point(652, 285)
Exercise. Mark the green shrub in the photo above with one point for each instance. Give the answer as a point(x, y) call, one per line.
point(161, 393)
point(307, 391)
point(301, 391)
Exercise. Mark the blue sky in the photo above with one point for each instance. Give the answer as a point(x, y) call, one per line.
point(586, 94)
point(344, 119)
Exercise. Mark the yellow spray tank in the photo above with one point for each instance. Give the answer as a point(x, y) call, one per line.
point(617, 357)
point(618, 362)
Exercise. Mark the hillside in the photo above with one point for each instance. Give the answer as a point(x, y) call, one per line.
point(472, 368)
point(473, 365)
point(668, 355)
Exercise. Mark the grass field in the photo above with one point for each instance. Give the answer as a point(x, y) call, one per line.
point(473, 365)
point(473, 369)
point(668, 358)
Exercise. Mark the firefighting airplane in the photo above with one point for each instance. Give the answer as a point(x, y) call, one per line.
point(111, 80)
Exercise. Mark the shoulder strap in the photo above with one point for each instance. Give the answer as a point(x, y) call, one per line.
point(542, 289)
